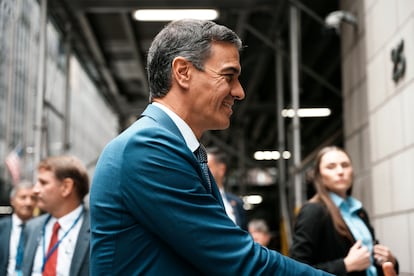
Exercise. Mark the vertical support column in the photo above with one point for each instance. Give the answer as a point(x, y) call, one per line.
point(294, 60)
point(11, 73)
point(10, 22)
point(285, 227)
point(41, 84)
point(66, 125)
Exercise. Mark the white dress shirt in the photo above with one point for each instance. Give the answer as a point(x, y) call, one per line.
point(14, 242)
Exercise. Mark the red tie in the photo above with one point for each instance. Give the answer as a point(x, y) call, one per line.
point(50, 266)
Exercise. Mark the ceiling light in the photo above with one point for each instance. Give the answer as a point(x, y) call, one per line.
point(253, 199)
point(307, 112)
point(286, 154)
point(175, 14)
point(271, 155)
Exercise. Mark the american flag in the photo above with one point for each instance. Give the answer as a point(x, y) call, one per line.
point(13, 164)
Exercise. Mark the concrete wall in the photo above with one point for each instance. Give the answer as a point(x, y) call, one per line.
point(379, 118)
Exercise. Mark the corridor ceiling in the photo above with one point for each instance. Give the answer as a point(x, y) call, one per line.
point(113, 47)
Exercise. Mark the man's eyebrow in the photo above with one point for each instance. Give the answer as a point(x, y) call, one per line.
point(232, 69)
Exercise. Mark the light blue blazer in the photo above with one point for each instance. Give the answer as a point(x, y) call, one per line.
point(152, 212)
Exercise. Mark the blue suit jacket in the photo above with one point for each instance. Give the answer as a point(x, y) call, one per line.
point(5, 232)
point(152, 213)
point(80, 261)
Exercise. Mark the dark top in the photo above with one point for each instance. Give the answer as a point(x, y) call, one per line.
point(316, 242)
point(5, 232)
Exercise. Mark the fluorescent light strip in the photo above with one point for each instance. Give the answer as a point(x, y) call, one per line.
point(271, 155)
point(253, 199)
point(307, 112)
point(174, 14)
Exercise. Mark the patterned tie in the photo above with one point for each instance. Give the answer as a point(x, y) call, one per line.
point(50, 266)
point(201, 156)
point(20, 248)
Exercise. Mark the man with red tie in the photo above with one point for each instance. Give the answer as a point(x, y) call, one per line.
point(58, 241)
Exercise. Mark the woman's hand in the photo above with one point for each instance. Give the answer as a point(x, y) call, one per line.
point(383, 254)
point(358, 258)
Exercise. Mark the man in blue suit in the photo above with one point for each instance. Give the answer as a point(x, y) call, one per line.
point(154, 207)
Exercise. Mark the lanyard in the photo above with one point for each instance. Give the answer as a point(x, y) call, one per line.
point(46, 257)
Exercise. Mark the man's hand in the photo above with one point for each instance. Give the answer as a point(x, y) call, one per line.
point(388, 268)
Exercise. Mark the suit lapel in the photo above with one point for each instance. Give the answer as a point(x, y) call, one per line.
point(82, 246)
point(34, 236)
point(161, 117)
point(215, 191)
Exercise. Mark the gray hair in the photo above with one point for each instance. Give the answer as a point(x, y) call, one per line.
point(259, 225)
point(24, 184)
point(188, 38)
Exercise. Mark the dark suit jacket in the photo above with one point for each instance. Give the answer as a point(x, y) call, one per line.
point(152, 212)
point(80, 261)
point(316, 242)
point(5, 232)
point(238, 209)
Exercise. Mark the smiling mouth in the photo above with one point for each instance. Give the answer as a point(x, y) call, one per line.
point(228, 105)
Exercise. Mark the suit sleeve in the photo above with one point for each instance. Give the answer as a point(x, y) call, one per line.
point(311, 224)
point(163, 190)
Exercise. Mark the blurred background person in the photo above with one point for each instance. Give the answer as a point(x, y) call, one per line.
point(12, 228)
point(217, 163)
point(332, 231)
point(260, 231)
point(58, 241)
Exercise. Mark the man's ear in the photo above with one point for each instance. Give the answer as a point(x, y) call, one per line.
point(181, 71)
point(67, 186)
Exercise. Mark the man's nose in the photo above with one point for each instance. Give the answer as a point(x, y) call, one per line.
point(36, 188)
point(238, 92)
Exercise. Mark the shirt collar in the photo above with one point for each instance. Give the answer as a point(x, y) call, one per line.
point(16, 221)
point(186, 132)
point(67, 220)
point(350, 203)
